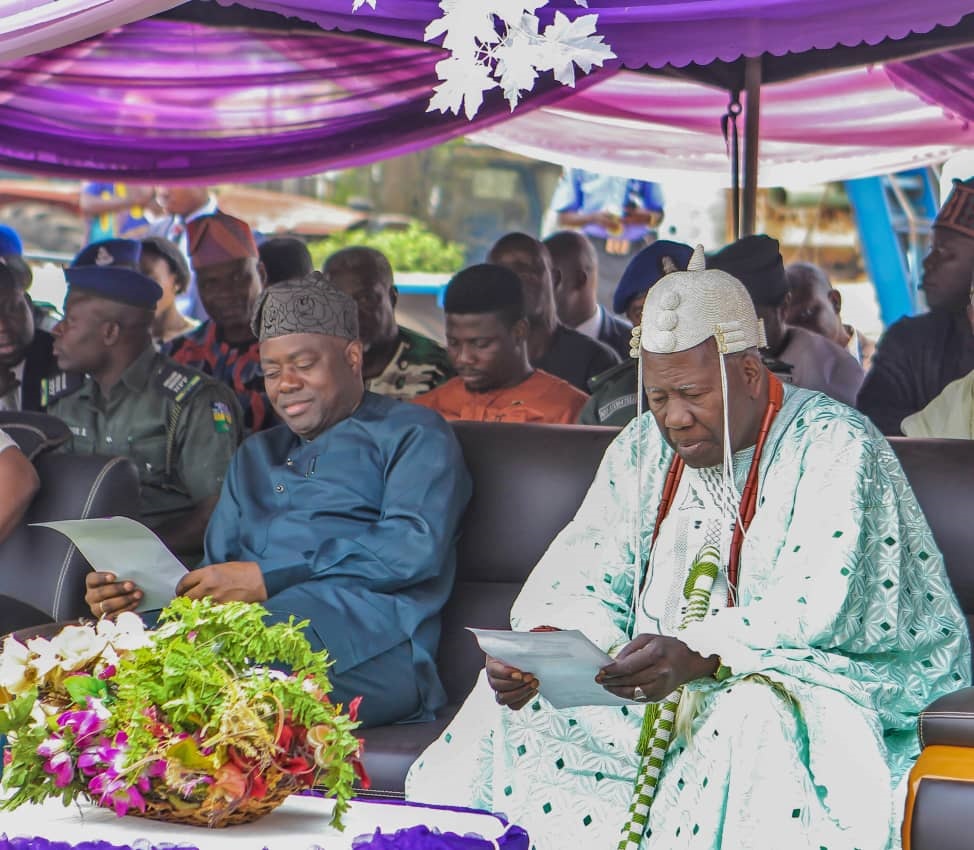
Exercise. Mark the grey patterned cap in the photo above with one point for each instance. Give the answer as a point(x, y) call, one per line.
point(309, 305)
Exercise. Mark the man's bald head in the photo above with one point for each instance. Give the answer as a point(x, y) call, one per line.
point(572, 247)
point(815, 305)
point(516, 241)
point(576, 294)
point(808, 275)
point(530, 261)
point(365, 275)
point(359, 259)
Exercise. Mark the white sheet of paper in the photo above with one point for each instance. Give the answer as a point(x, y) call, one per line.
point(564, 663)
point(128, 549)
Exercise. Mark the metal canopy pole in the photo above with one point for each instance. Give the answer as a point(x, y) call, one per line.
point(752, 125)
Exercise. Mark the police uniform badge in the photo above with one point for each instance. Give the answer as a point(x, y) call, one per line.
point(59, 385)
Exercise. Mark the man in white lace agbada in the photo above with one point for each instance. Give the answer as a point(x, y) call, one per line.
point(829, 625)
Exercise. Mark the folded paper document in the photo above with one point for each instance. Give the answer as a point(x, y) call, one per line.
point(564, 663)
point(128, 549)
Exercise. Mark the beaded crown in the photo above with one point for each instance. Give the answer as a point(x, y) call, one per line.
point(686, 308)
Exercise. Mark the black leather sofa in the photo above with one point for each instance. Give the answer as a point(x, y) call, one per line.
point(528, 482)
point(940, 806)
point(42, 574)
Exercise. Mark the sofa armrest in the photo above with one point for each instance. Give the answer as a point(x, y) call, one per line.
point(949, 721)
point(939, 814)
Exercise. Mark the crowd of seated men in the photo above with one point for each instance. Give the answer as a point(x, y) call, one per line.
point(292, 444)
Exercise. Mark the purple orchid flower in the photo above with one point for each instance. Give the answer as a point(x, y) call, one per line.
point(101, 754)
point(57, 761)
point(104, 764)
point(85, 724)
point(113, 793)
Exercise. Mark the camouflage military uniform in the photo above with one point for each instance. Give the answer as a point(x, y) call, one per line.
point(613, 397)
point(180, 427)
point(418, 365)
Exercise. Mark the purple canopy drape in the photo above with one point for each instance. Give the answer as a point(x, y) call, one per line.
point(658, 33)
point(849, 123)
point(32, 26)
point(641, 33)
point(945, 79)
point(166, 100)
point(170, 101)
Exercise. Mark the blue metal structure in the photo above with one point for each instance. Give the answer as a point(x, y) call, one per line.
point(894, 215)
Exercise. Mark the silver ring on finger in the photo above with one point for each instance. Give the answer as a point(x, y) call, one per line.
point(101, 609)
point(639, 695)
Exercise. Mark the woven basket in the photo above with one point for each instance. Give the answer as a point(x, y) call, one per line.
point(216, 811)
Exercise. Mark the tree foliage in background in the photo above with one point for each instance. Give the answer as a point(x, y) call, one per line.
point(414, 249)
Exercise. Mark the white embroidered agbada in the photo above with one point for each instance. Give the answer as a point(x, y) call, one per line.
point(845, 628)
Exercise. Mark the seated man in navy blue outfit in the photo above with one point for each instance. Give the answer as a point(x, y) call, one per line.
point(345, 515)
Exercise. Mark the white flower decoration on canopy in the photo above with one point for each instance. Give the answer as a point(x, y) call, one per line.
point(498, 43)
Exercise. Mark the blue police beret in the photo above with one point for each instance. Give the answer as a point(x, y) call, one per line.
point(9, 241)
point(110, 269)
point(646, 268)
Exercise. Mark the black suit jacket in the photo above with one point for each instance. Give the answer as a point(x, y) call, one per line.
point(915, 359)
point(615, 333)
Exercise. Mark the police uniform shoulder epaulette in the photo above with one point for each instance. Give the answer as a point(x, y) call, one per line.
point(59, 385)
point(611, 374)
point(178, 381)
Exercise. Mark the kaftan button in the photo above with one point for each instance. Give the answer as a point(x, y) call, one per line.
point(279, 488)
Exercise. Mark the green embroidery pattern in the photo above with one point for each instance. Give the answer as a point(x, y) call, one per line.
point(659, 718)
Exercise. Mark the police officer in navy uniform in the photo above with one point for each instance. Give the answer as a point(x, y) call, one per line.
point(179, 426)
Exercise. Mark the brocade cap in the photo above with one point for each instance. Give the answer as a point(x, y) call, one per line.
point(957, 213)
point(306, 306)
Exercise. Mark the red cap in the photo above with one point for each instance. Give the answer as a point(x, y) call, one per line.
point(219, 238)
